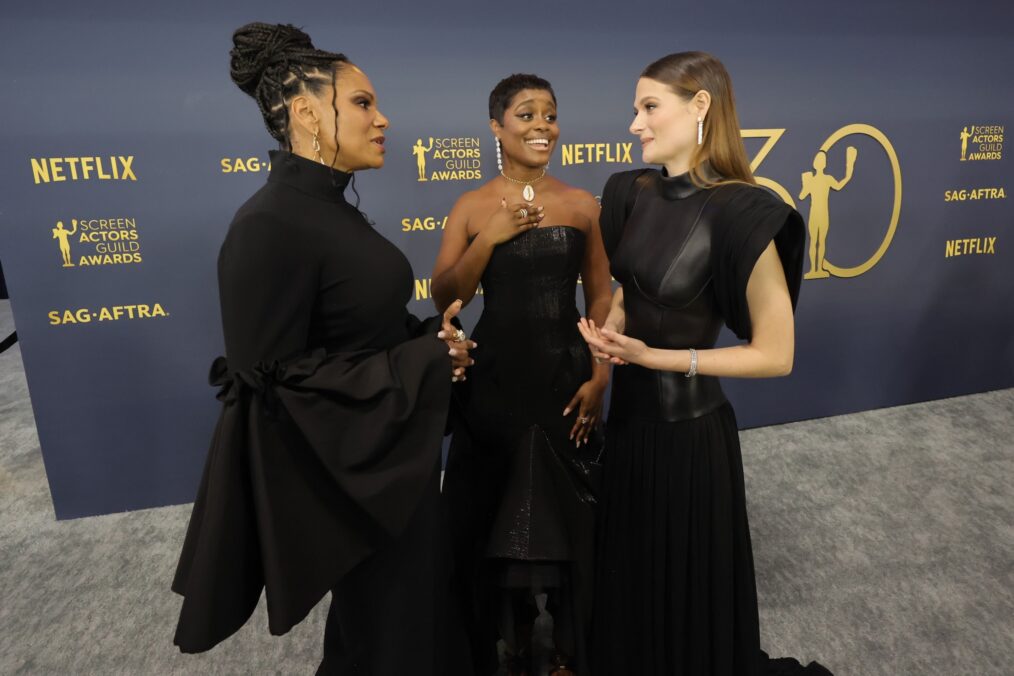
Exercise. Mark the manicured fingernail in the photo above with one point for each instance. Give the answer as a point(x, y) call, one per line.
point(541, 208)
point(441, 335)
point(566, 411)
point(452, 352)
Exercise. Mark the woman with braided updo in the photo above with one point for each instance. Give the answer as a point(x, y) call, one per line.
point(323, 473)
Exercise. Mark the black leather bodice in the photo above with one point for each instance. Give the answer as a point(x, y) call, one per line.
point(664, 261)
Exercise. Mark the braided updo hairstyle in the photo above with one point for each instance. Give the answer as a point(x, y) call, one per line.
point(274, 62)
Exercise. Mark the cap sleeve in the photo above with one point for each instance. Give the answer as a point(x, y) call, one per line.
point(748, 219)
point(618, 197)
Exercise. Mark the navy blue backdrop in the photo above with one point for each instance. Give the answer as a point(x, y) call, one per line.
point(127, 150)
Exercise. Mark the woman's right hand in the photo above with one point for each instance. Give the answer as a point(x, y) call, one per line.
point(509, 221)
point(457, 343)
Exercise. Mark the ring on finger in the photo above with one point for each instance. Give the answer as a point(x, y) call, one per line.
point(583, 420)
point(459, 336)
point(524, 213)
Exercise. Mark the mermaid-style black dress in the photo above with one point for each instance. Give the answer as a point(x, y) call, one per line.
point(675, 591)
point(521, 495)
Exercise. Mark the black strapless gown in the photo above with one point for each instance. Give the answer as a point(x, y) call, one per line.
point(521, 495)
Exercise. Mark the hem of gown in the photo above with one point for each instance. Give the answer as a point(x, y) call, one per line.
point(790, 666)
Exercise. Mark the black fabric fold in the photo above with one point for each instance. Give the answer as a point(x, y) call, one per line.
point(749, 219)
point(315, 463)
point(618, 197)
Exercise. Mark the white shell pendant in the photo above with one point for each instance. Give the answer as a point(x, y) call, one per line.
point(528, 193)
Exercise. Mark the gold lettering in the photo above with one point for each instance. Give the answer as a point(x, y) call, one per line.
point(56, 169)
point(40, 171)
point(423, 288)
point(72, 161)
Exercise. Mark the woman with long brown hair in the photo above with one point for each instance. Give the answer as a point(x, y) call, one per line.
point(695, 245)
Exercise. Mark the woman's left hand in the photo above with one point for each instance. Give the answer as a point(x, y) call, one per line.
point(619, 348)
point(588, 402)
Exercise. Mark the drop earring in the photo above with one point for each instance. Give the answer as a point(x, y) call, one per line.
point(316, 148)
point(499, 157)
point(700, 131)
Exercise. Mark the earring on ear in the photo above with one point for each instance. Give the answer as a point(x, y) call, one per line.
point(316, 148)
point(499, 157)
point(700, 130)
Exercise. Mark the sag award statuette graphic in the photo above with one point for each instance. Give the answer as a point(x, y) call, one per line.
point(818, 186)
point(419, 150)
point(64, 235)
point(965, 135)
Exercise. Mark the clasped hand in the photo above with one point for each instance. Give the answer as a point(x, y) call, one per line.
point(607, 344)
point(458, 346)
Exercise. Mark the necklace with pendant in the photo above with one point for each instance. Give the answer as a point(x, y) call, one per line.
point(528, 192)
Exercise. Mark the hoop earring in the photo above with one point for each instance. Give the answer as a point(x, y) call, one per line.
point(316, 148)
point(700, 131)
point(499, 157)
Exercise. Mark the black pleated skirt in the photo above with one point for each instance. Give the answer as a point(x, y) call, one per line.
point(675, 591)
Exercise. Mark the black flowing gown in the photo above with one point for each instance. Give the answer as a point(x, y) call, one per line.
point(323, 472)
point(675, 590)
point(521, 495)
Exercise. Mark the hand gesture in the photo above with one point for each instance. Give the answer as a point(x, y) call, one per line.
point(608, 344)
point(509, 221)
point(457, 343)
point(588, 402)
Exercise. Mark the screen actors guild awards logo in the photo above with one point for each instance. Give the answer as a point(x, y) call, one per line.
point(105, 241)
point(454, 159)
point(986, 141)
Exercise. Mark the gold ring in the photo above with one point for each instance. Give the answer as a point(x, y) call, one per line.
point(459, 336)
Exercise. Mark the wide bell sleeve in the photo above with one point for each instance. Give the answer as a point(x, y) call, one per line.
point(748, 219)
point(318, 459)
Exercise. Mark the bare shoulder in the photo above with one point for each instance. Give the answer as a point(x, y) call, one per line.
point(581, 203)
point(578, 198)
point(468, 199)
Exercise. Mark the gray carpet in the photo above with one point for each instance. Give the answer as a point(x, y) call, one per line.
point(884, 544)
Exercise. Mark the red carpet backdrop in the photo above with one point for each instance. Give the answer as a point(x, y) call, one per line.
point(127, 150)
